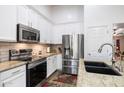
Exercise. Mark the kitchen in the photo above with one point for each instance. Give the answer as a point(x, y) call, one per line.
point(61, 46)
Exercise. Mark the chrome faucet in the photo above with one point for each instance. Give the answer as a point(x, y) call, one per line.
point(100, 49)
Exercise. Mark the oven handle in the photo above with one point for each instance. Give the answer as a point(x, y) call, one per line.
point(32, 65)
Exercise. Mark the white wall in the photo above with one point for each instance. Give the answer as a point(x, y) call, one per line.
point(67, 13)
point(99, 16)
point(68, 19)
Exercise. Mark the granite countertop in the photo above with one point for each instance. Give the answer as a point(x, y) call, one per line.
point(34, 58)
point(10, 64)
point(86, 79)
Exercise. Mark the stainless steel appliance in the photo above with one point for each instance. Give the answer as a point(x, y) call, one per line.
point(36, 72)
point(27, 34)
point(72, 50)
point(36, 66)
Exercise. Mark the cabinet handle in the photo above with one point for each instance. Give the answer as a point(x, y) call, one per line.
point(16, 71)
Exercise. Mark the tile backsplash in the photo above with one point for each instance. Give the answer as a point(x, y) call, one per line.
point(5, 47)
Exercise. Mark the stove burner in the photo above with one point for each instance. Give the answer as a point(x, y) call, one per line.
point(21, 55)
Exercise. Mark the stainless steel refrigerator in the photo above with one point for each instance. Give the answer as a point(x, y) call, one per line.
point(72, 50)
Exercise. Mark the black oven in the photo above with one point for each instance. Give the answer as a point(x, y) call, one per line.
point(36, 72)
point(27, 34)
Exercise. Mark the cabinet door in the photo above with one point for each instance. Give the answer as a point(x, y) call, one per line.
point(42, 27)
point(22, 14)
point(49, 33)
point(57, 34)
point(54, 63)
point(59, 62)
point(8, 23)
point(18, 80)
point(33, 19)
point(49, 66)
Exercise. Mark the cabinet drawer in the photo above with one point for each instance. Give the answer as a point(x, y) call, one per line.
point(11, 72)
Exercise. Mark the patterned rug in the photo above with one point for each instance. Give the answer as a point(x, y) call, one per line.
point(61, 80)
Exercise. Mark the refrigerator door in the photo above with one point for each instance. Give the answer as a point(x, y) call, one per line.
point(73, 49)
point(81, 45)
point(70, 46)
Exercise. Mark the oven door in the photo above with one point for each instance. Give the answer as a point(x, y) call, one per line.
point(36, 73)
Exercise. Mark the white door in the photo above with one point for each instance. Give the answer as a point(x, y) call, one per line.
point(15, 81)
point(95, 37)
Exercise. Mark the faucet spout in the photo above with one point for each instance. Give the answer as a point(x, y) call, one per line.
point(101, 47)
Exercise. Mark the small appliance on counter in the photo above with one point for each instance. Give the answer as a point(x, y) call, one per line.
point(36, 68)
point(48, 50)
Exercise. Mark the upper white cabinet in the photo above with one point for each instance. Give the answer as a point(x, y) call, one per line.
point(57, 36)
point(45, 28)
point(33, 19)
point(22, 15)
point(8, 23)
point(27, 16)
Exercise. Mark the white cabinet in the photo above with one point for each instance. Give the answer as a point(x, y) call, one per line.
point(57, 34)
point(27, 16)
point(59, 62)
point(8, 23)
point(22, 15)
point(49, 35)
point(33, 18)
point(54, 63)
point(15, 81)
point(51, 65)
point(57, 37)
point(45, 28)
point(15, 77)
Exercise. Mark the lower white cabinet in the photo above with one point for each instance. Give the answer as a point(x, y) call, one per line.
point(59, 62)
point(54, 63)
point(51, 65)
point(15, 77)
point(15, 81)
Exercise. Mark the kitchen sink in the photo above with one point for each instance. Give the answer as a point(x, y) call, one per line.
point(100, 68)
point(98, 64)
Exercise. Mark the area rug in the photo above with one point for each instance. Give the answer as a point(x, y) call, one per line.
point(61, 80)
point(48, 84)
point(69, 79)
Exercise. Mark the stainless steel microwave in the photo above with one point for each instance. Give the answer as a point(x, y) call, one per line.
point(27, 34)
